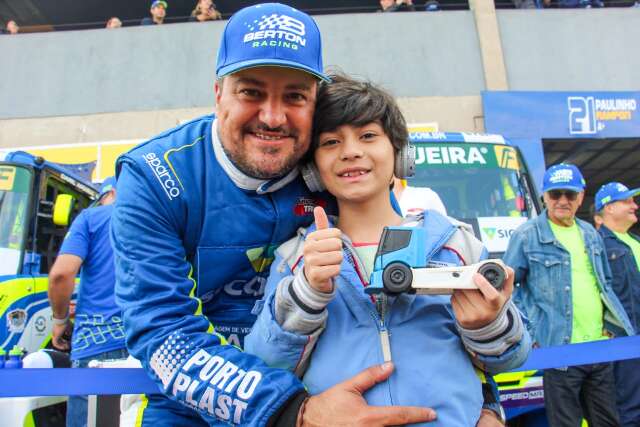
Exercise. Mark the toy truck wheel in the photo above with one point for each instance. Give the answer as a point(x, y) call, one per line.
point(397, 278)
point(494, 273)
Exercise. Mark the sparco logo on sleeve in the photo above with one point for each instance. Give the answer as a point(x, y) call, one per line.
point(162, 173)
point(276, 31)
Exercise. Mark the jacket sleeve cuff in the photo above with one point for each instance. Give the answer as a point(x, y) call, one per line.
point(296, 314)
point(496, 337)
point(287, 415)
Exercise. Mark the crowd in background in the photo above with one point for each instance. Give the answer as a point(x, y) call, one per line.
point(206, 10)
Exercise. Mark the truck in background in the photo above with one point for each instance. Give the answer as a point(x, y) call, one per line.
point(38, 201)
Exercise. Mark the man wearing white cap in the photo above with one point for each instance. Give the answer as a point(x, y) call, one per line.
point(200, 211)
point(617, 208)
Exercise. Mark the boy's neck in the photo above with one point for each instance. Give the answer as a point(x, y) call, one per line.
point(363, 222)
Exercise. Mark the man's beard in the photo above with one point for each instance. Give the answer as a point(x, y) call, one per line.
point(253, 170)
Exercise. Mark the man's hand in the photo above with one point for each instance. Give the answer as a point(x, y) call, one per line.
point(477, 308)
point(322, 253)
point(489, 418)
point(343, 405)
point(61, 335)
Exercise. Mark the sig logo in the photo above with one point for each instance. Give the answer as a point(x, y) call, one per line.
point(500, 233)
point(582, 117)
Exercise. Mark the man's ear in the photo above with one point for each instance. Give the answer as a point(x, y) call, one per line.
point(217, 88)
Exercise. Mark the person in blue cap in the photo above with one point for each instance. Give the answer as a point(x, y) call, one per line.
point(158, 12)
point(616, 206)
point(565, 291)
point(200, 211)
point(97, 331)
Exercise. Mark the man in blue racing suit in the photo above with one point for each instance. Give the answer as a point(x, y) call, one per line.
point(201, 209)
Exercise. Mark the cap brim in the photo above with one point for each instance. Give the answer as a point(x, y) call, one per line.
point(255, 63)
point(563, 187)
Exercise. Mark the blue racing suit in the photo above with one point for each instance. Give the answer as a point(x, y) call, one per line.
point(193, 250)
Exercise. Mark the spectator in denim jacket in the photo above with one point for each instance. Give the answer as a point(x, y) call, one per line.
point(615, 204)
point(565, 290)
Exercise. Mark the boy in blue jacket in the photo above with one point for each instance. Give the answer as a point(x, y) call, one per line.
point(315, 318)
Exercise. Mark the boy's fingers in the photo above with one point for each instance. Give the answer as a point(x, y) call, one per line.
point(320, 217)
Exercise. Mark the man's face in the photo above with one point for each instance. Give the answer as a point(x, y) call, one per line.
point(622, 213)
point(562, 205)
point(265, 116)
point(158, 11)
point(386, 3)
point(12, 27)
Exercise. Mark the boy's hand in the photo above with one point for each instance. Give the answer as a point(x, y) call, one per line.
point(322, 253)
point(475, 309)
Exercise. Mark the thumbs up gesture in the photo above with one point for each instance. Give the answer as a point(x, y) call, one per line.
point(322, 253)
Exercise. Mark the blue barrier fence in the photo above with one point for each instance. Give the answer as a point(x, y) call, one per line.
point(85, 381)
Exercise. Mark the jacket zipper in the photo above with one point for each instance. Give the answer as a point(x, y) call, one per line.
point(381, 303)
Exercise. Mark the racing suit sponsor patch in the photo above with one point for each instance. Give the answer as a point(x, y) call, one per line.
point(205, 382)
point(163, 175)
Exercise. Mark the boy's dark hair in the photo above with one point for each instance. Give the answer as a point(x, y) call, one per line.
point(347, 101)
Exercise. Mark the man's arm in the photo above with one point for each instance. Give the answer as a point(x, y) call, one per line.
point(62, 280)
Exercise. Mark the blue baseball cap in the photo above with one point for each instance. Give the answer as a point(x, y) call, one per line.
point(159, 3)
point(270, 34)
point(563, 176)
point(613, 192)
point(107, 185)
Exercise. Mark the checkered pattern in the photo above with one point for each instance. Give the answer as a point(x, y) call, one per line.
point(281, 22)
point(166, 360)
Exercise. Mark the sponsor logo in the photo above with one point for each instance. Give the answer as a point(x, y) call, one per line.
point(276, 31)
point(561, 176)
point(162, 173)
point(589, 115)
point(522, 395)
point(40, 324)
point(7, 177)
point(500, 233)
point(253, 287)
point(215, 385)
point(261, 258)
point(304, 206)
point(451, 155)
point(506, 157)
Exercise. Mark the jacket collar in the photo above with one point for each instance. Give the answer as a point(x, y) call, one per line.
point(544, 229)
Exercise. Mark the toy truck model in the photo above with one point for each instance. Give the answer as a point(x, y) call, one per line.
point(401, 266)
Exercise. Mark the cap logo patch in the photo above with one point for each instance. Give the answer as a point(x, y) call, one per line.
point(276, 31)
point(562, 175)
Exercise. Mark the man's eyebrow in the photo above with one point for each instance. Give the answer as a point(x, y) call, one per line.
point(299, 86)
point(293, 86)
point(251, 81)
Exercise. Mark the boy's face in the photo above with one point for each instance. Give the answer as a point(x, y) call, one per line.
point(356, 163)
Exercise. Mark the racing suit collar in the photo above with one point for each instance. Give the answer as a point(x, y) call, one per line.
point(239, 178)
